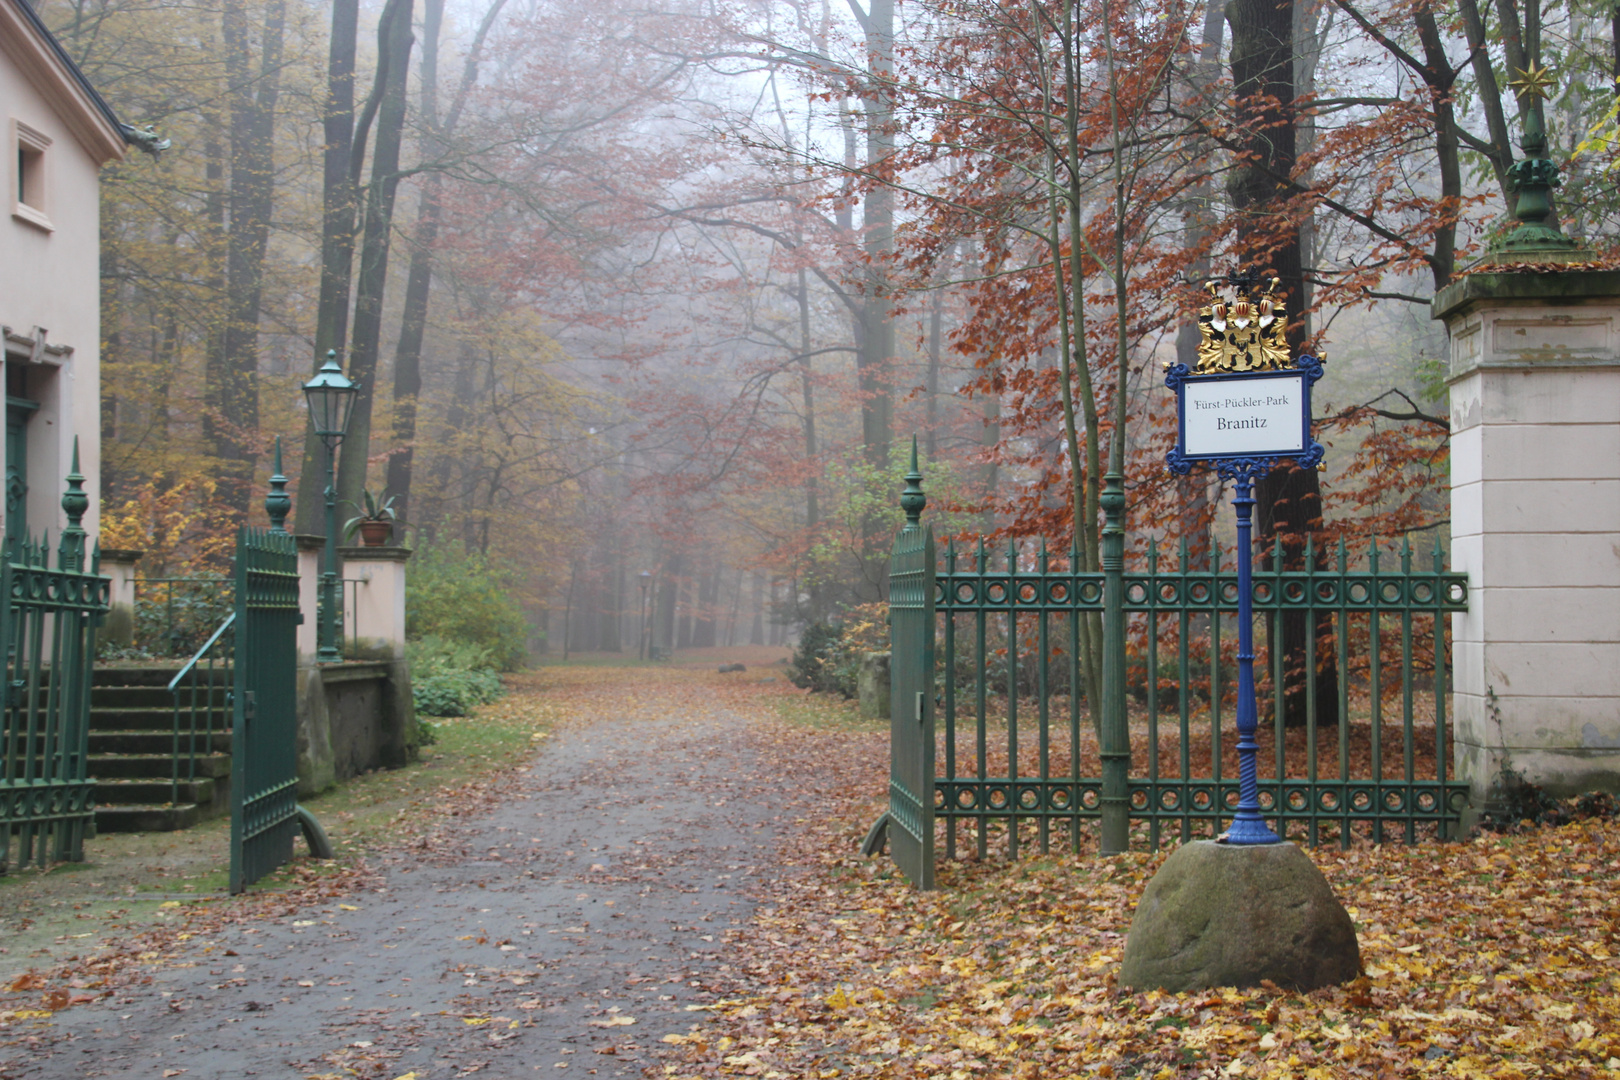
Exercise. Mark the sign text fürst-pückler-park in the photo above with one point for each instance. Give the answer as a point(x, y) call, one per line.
point(1260, 415)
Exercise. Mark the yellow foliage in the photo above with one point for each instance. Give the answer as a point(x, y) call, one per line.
point(176, 523)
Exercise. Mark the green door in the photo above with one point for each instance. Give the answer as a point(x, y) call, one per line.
point(18, 411)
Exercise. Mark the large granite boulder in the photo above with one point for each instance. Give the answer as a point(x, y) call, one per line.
point(1232, 915)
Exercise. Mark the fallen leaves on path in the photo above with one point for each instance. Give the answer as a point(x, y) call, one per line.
point(1494, 957)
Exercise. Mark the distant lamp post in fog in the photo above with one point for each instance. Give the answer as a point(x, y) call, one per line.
point(645, 578)
point(331, 398)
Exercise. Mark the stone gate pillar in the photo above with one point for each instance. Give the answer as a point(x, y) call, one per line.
point(1535, 522)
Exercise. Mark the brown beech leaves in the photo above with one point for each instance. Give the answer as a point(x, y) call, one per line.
point(1492, 957)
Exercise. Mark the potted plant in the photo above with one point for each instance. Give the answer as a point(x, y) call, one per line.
point(375, 522)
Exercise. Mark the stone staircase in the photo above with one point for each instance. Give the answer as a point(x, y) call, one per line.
point(132, 752)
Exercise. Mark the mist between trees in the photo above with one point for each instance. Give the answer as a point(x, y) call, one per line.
point(668, 287)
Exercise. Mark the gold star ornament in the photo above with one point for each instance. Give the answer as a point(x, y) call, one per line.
point(1532, 82)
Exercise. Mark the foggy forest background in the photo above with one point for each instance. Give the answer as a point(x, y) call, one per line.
point(669, 286)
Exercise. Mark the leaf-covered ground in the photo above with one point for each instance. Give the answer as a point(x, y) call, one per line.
point(1494, 957)
point(1490, 958)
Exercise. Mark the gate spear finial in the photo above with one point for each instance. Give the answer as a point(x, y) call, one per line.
point(912, 499)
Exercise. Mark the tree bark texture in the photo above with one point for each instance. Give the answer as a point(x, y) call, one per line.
point(1289, 499)
point(394, 40)
point(231, 420)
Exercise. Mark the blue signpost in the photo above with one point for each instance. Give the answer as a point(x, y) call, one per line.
point(1245, 410)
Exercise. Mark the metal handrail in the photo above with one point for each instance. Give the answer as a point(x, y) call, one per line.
point(230, 620)
point(175, 688)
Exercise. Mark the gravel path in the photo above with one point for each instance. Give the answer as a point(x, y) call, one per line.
point(562, 934)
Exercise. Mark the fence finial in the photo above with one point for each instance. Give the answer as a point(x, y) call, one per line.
point(278, 503)
point(912, 500)
point(70, 555)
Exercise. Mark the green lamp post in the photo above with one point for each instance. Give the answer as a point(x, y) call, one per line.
point(331, 398)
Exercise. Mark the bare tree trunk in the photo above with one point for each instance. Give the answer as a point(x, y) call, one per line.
point(231, 422)
point(936, 333)
point(419, 278)
point(688, 593)
point(394, 41)
point(337, 235)
point(756, 631)
point(663, 635)
point(1288, 499)
point(877, 322)
point(708, 598)
point(1192, 490)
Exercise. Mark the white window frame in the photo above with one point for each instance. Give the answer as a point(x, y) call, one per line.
point(30, 193)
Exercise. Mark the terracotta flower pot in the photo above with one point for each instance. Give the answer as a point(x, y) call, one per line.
point(375, 533)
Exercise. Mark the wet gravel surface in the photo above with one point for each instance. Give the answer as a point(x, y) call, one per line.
point(564, 933)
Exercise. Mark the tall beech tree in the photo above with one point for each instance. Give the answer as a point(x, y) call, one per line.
point(253, 78)
point(1288, 498)
point(436, 133)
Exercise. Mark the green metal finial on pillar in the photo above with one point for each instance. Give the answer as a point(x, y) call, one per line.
point(70, 553)
point(1533, 177)
point(278, 504)
point(912, 500)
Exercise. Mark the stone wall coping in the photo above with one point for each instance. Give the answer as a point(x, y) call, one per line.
point(1560, 287)
point(374, 554)
point(355, 671)
point(121, 555)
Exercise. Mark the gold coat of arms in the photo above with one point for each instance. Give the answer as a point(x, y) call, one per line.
point(1244, 335)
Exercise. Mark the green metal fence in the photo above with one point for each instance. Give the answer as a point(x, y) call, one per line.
point(1015, 745)
point(48, 619)
point(264, 753)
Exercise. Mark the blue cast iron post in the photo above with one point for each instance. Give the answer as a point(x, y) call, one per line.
point(1115, 733)
point(1248, 827)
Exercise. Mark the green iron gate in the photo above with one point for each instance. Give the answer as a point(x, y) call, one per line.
point(911, 723)
point(1005, 627)
point(264, 751)
point(48, 620)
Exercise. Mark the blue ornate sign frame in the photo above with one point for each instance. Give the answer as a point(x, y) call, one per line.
point(1178, 377)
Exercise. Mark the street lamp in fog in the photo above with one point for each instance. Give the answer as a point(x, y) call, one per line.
point(641, 630)
point(331, 398)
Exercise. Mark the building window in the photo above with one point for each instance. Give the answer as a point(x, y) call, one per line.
point(31, 191)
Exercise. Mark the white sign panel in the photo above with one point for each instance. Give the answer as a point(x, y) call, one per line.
point(1253, 416)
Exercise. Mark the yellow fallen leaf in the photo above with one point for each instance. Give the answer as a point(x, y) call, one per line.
point(475, 1020)
point(614, 1021)
point(349, 907)
point(170, 903)
point(406, 1076)
point(838, 1000)
point(306, 982)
